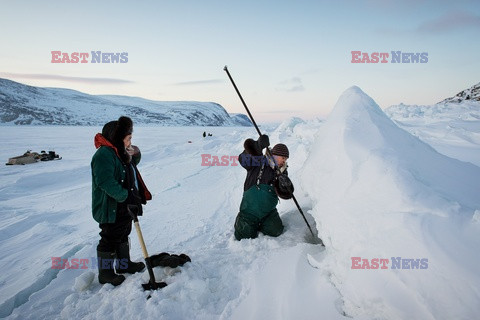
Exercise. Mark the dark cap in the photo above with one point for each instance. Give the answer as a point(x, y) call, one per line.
point(280, 150)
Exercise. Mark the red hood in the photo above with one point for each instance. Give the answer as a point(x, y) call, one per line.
point(101, 141)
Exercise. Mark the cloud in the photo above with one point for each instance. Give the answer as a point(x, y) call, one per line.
point(393, 4)
point(291, 85)
point(450, 21)
point(39, 76)
point(199, 82)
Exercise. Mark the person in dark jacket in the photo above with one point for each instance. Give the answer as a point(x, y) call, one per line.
point(116, 183)
point(258, 209)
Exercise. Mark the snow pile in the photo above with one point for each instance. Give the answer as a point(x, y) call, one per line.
point(289, 125)
point(298, 135)
point(380, 193)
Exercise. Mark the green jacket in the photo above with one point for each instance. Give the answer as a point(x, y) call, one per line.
point(108, 175)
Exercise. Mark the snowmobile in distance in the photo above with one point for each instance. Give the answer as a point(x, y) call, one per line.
point(32, 157)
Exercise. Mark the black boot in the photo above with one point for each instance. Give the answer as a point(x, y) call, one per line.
point(106, 273)
point(124, 264)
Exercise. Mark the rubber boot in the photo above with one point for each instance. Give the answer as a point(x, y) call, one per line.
point(106, 273)
point(124, 264)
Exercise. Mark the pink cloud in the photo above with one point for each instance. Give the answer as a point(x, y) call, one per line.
point(450, 21)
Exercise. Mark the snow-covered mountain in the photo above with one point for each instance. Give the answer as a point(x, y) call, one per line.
point(27, 105)
point(241, 119)
point(472, 93)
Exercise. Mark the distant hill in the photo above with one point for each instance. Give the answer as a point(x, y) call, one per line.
point(472, 93)
point(27, 105)
point(465, 106)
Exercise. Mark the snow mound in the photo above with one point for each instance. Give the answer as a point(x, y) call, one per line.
point(289, 124)
point(297, 134)
point(380, 193)
point(84, 281)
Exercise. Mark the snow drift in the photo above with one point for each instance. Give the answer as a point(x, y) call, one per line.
point(380, 193)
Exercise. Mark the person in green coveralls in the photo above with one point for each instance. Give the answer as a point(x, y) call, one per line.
point(258, 209)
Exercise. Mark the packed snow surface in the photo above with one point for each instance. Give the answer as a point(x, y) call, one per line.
point(374, 191)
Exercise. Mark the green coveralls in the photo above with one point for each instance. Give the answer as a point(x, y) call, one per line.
point(258, 212)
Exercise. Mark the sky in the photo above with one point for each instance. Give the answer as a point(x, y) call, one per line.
point(288, 58)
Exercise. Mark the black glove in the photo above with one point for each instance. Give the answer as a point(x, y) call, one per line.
point(263, 141)
point(134, 199)
point(284, 187)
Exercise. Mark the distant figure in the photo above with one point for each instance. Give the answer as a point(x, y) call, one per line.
point(209, 134)
point(204, 134)
point(116, 183)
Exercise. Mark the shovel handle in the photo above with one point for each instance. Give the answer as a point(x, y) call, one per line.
point(140, 238)
point(152, 284)
point(132, 211)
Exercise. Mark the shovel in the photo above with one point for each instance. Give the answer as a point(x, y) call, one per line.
point(152, 284)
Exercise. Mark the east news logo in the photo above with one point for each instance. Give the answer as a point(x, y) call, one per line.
point(394, 263)
point(96, 57)
point(396, 57)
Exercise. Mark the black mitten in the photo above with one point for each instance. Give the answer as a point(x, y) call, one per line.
point(135, 199)
point(263, 141)
point(284, 187)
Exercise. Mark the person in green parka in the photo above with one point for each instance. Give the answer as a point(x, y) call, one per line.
point(116, 183)
point(258, 209)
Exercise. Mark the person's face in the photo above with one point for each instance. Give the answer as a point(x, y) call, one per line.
point(127, 141)
point(280, 160)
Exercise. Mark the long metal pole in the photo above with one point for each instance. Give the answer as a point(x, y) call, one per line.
point(268, 149)
point(301, 212)
point(243, 101)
